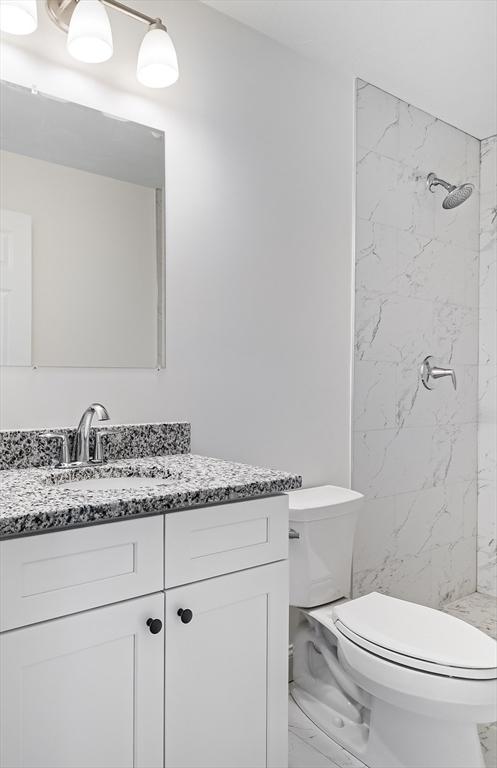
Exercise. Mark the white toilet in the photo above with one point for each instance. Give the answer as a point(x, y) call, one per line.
point(396, 683)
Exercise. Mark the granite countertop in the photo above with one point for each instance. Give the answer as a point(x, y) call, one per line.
point(34, 501)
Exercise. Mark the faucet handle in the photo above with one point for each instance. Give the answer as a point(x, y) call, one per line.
point(64, 447)
point(437, 373)
point(430, 371)
point(98, 454)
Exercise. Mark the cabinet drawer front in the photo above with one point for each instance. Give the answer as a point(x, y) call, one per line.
point(200, 543)
point(54, 574)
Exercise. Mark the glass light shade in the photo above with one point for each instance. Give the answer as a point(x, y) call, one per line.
point(90, 37)
point(157, 61)
point(19, 17)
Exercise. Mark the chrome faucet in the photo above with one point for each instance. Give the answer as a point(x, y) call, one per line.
point(82, 443)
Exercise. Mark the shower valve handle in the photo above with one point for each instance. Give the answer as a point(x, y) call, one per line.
point(430, 371)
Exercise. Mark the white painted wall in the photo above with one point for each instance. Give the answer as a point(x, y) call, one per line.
point(402, 46)
point(259, 158)
point(93, 242)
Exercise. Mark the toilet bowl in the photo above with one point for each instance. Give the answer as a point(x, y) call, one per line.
point(397, 684)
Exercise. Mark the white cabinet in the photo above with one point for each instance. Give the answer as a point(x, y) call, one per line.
point(85, 691)
point(84, 683)
point(226, 671)
point(210, 541)
point(45, 577)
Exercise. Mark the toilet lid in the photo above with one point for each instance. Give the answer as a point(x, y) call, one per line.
point(417, 636)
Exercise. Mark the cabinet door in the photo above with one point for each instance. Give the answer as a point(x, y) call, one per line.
point(226, 671)
point(85, 691)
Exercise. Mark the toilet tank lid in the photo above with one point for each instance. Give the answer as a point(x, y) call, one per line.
point(319, 499)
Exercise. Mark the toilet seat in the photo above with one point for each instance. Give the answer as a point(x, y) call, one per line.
point(487, 673)
point(413, 636)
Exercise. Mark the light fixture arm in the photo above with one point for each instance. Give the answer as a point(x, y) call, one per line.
point(138, 15)
point(90, 38)
point(60, 12)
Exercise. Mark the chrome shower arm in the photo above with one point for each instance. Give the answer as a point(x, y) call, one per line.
point(434, 181)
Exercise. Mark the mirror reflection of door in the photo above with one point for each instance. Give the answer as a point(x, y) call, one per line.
point(15, 288)
point(92, 186)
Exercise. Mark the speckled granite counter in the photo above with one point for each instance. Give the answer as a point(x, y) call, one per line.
point(33, 501)
point(27, 448)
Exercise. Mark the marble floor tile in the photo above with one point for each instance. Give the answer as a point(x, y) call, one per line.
point(303, 755)
point(480, 611)
point(488, 739)
point(300, 727)
point(477, 609)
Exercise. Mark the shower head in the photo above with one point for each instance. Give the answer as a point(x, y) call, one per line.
point(456, 195)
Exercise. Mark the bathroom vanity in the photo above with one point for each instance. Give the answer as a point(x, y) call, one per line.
point(154, 633)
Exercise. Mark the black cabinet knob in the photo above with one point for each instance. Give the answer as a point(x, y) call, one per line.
point(155, 625)
point(186, 615)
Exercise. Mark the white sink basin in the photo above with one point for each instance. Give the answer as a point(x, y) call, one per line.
point(115, 483)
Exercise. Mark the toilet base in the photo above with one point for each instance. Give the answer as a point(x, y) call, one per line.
point(351, 736)
point(396, 738)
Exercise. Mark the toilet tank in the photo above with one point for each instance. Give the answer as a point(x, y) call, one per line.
point(325, 519)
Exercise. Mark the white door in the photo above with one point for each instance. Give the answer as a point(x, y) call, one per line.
point(227, 671)
point(15, 288)
point(85, 691)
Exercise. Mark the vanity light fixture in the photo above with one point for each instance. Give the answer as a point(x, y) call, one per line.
point(90, 36)
point(18, 17)
point(157, 63)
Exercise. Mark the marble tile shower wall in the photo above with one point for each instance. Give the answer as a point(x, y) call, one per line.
point(414, 451)
point(487, 375)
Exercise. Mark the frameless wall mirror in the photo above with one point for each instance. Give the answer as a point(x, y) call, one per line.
point(81, 236)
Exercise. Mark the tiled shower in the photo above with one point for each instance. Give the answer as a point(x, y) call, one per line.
point(487, 372)
point(417, 294)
